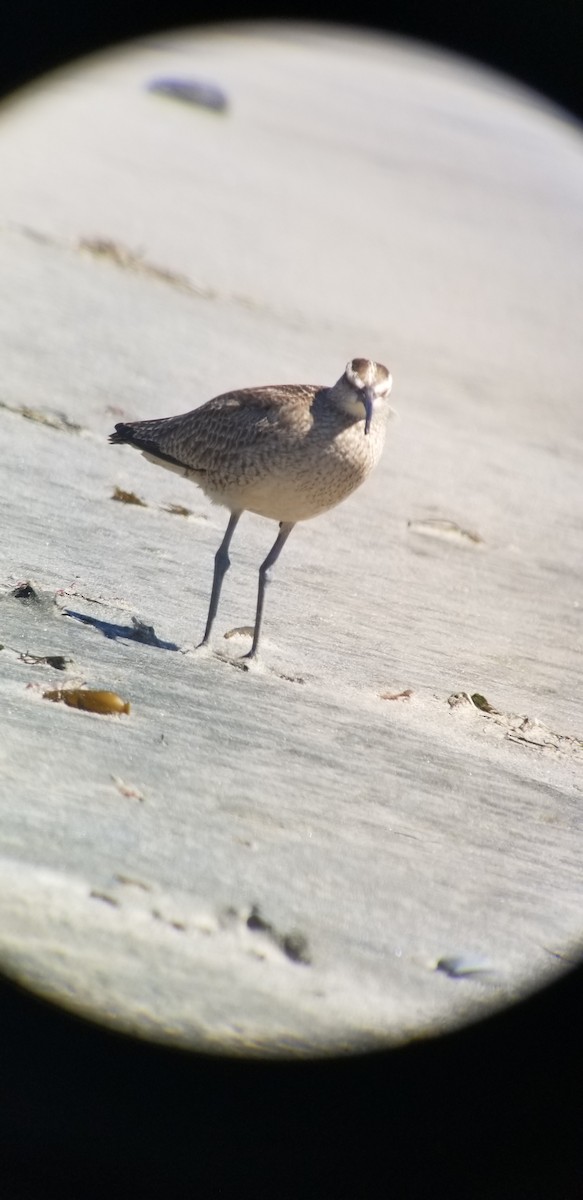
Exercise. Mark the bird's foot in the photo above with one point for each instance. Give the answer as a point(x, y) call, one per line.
point(202, 650)
point(248, 662)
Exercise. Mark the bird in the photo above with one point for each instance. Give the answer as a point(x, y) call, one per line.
point(286, 452)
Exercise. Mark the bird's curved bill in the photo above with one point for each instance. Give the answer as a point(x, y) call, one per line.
point(368, 401)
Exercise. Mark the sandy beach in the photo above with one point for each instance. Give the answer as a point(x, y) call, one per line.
point(377, 835)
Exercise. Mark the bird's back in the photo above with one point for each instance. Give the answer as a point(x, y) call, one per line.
point(226, 426)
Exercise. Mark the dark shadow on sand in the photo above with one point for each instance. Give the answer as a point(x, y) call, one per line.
point(133, 633)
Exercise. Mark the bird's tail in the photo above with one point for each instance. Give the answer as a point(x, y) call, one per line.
point(146, 436)
point(123, 433)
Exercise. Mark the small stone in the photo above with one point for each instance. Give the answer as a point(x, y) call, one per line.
point(191, 91)
point(463, 966)
point(26, 592)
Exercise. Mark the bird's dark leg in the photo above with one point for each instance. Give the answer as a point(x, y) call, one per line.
point(285, 528)
point(222, 564)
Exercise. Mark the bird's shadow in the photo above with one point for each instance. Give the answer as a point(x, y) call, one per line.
point(137, 632)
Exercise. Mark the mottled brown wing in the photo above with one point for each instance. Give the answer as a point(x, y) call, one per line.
point(238, 421)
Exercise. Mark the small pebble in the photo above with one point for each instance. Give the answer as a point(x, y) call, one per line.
point(191, 91)
point(463, 966)
point(25, 591)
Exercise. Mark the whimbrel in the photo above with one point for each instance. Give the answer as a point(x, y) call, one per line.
point(287, 452)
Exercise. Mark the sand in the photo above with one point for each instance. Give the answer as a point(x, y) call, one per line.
point(342, 848)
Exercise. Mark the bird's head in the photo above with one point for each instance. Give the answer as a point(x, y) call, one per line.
point(365, 385)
